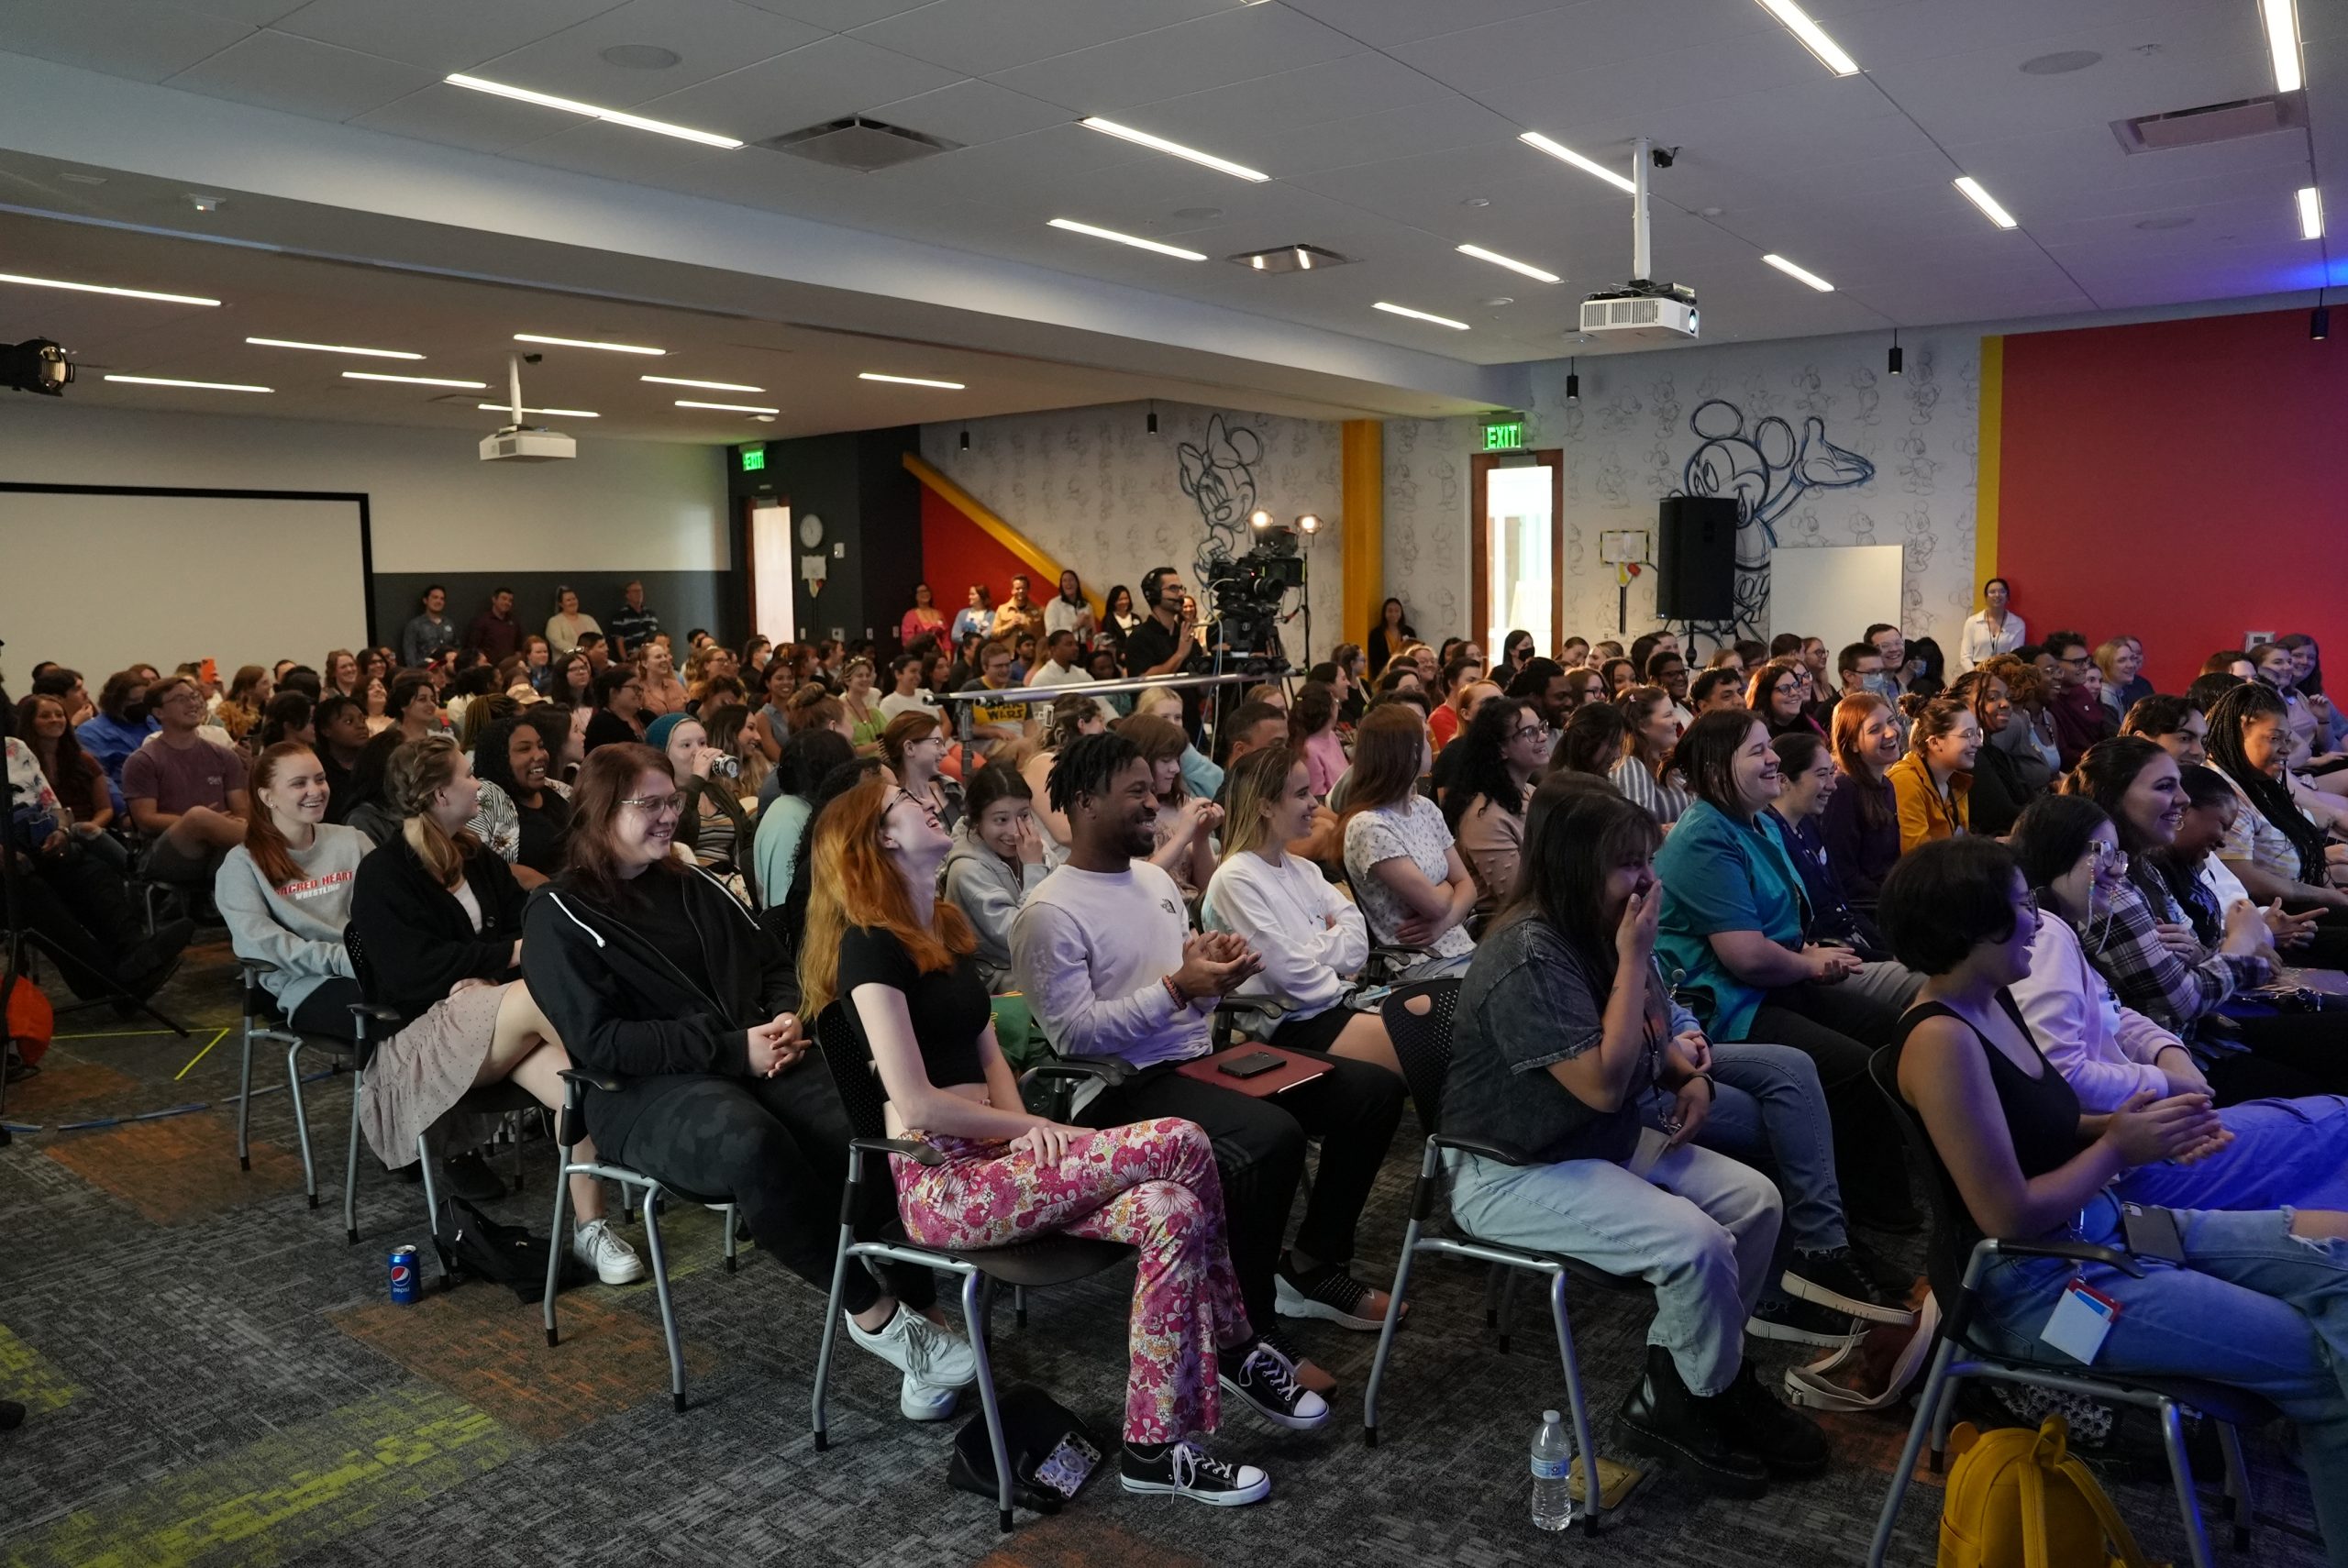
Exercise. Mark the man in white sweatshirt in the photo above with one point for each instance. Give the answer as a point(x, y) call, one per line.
point(1106, 953)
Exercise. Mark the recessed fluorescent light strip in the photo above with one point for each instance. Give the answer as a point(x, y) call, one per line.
point(585, 343)
point(1799, 273)
point(1420, 316)
point(611, 116)
point(704, 386)
point(105, 289)
point(2310, 212)
point(334, 348)
point(1814, 36)
point(2282, 19)
point(201, 386)
point(413, 380)
point(1982, 199)
point(1497, 260)
point(908, 380)
point(728, 407)
point(557, 413)
point(1158, 143)
point(1136, 241)
point(1568, 155)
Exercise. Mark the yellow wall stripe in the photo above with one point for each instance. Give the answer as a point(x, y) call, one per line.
point(1037, 557)
point(1986, 464)
point(1361, 529)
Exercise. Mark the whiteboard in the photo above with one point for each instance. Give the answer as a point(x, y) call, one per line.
point(101, 580)
point(1834, 592)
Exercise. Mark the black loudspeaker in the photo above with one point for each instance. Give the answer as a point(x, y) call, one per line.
point(1695, 558)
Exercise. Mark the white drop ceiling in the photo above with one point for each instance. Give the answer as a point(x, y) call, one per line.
point(1388, 126)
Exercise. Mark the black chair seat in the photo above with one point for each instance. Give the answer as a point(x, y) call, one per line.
point(1045, 1261)
point(497, 1098)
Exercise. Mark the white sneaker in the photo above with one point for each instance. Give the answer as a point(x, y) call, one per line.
point(598, 1246)
point(925, 1352)
point(919, 1401)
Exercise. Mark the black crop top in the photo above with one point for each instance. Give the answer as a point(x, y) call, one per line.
point(2041, 1113)
point(949, 1007)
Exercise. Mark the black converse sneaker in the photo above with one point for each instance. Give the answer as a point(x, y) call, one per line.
point(1182, 1470)
point(1833, 1279)
point(1329, 1293)
point(1260, 1374)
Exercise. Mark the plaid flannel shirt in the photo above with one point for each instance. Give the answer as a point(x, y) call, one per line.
point(2152, 980)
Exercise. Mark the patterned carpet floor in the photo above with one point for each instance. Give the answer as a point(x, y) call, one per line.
point(215, 1377)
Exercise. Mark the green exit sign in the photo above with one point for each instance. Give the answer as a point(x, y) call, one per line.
point(1504, 437)
point(753, 458)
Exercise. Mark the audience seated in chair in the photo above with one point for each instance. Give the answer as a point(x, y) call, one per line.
point(1930, 785)
point(1860, 826)
point(285, 892)
point(1503, 751)
point(1646, 775)
point(1415, 888)
point(186, 794)
point(996, 861)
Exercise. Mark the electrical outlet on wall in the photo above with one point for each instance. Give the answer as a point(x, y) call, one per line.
point(839, 549)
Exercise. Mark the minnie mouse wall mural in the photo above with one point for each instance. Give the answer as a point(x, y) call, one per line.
point(1219, 479)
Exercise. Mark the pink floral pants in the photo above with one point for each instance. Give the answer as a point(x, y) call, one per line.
point(1149, 1184)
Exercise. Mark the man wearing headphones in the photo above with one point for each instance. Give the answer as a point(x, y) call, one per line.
point(1163, 644)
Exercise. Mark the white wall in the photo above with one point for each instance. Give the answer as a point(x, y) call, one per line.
point(1098, 493)
point(436, 507)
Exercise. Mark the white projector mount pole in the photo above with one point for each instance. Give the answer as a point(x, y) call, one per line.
point(514, 371)
point(1640, 258)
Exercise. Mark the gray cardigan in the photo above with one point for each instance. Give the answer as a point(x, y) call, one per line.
point(989, 889)
point(296, 928)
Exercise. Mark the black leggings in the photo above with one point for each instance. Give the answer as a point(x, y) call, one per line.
point(326, 1010)
point(778, 1148)
point(2289, 1055)
point(1838, 1031)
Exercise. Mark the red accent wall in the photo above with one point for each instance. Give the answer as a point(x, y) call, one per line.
point(2179, 480)
point(956, 552)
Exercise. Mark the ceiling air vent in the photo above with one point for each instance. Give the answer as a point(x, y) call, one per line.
point(859, 144)
point(1289, 258)
point(2212, 122)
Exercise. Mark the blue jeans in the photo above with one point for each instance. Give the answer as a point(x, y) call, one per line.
point(2253, 1307)
point(1768, 1109)
point(2289, 1152)
point(1698, 1227)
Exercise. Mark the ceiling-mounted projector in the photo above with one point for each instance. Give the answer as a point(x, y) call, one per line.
point(1642, 308)
point(520, 442)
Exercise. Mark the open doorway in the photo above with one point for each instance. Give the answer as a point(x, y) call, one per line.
point(1516, 502)
point(772, 562)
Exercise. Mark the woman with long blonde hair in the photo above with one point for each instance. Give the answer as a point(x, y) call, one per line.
point(898, 963)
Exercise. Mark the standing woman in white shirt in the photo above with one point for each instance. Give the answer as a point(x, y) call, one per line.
point(1311, 938)
point(1992, 631)
point(1068, 611)
point(568, 624)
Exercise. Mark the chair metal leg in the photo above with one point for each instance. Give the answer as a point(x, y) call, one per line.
point(350, 1161)
point(2237, 1484)
point(1019, 1305)
point(1386, 1333)
point(301, 1116)
point(1927, 1404)
point(832, 1311)
point(1493, 1275)
point(730, 1243)
point(1507, 1307)
point(554, 1249)
point(667, 1308)
point(1579, 1406)
point(1943, 1416)
point(432, 1211)
point(2180, 1470)
point(971, 1287)
point(245, 1107)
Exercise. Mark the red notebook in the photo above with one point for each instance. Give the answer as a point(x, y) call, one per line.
point(1292, 1070)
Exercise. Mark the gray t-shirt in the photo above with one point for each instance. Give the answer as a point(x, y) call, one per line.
point(1528, 1002)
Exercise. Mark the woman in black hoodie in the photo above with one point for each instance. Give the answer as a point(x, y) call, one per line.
point(650, 969)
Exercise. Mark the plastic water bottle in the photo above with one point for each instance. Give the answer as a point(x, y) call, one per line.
point(1553, 1463)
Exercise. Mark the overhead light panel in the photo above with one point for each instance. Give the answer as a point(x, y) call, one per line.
point(201, 386)
point(704, 386)
point(1160, 144)
point(104, 289)
point(413, 380)
point(586, 343)
point(1513, 265)
point(908, 380)
point(2282, 19)
point(555, 413)
point(1420, 316)
point(2310, 212)
point(1136, 241)
point(593, 111)
point(1799, 274)
point(1814, 36)
point(1982, 199)
point(334, 349)
point(1568, 155)
point(728, 407)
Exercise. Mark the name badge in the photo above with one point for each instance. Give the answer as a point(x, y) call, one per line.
point(2080, 1320)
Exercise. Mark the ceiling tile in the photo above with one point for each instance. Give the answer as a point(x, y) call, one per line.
point(1384, 23)
point(252, 12)
point(712, 38)
point(980, 37)
point(455, 116)
point(1342, 88)
point(1598, 35)
point(838, 15)
point(279, 71)
point(440, 36)
point(972, 111)
point(1971, 98)
point(836, 76)
point(1451, 122)
point(118, 38)
point(1244, 45)
point(618, 152)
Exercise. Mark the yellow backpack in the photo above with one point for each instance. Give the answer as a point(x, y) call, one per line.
point(2016, 1499)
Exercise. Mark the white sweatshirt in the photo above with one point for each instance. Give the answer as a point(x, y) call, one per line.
point(1092, 949)
point(2104, 1050)
point(1284, 912)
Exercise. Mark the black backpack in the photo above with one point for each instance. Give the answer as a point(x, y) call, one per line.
point(472, 1245)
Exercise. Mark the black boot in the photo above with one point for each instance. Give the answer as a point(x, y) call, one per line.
point(1789, 1442)
point(1663, 1419)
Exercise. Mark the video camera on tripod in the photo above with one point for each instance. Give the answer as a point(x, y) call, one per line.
point(1247, 591)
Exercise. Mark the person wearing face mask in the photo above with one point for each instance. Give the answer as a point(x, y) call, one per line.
point(1861, 825)
point(441, 919)
point(1928, 785)
point(1891, 648)
point(120, 726)
point(1991, 630)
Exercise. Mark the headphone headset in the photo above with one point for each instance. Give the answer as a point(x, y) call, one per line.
point(1152, 581)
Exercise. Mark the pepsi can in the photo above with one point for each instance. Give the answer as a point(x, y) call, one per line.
point(408, 1278)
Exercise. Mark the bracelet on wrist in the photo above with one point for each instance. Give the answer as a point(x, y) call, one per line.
point(1174, 989)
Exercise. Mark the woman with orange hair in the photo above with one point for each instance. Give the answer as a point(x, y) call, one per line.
point(899, 962)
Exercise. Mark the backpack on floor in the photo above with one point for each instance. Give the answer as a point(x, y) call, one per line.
point(1874, 1371)
point(475, 1245)
point(2016, 1499)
